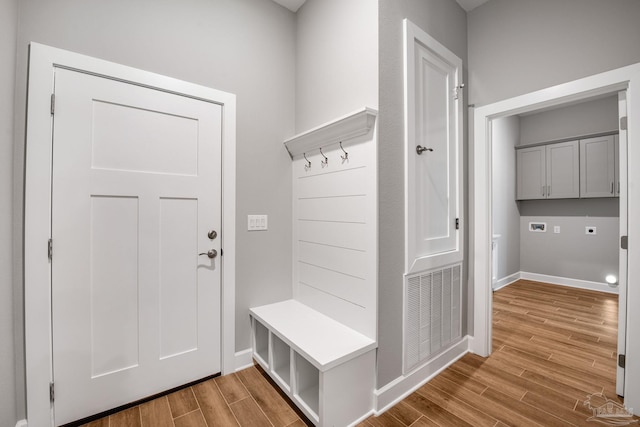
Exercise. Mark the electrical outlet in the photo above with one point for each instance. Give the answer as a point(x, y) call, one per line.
point(257, 222)
point(590, 231)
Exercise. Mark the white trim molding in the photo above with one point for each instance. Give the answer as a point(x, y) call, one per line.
point(507, 280)
point(22, 423)
point(621, 79)
point(244, 359)
point(566, 281)
point(37, 217)
point(404, 385)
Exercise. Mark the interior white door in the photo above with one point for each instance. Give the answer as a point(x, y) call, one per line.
point(622, 174)
point(136, 189)
point(434, 100)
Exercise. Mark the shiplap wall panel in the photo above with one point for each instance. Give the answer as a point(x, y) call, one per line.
point(341, 310)
point(343, 182)
point(345, 261)
point(346, 235)
point(348, 288)
point(335, 232)
point(335, 209)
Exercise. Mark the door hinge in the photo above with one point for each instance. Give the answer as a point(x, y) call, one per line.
point(624, 242)
point(623, 123)
point(456, 91)
point(457, 223)
point(221, 252)
point(50, 249)
point(622, 360)
point(52, 393)
point(53, 103)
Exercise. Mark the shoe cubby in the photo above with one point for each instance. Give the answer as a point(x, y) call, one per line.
point(281, 361)
point(326, 368)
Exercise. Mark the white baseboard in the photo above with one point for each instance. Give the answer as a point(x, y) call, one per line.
point(404, 385)
point(506, 281)
point(244, 359)
point(22, 423)
point(565, 281)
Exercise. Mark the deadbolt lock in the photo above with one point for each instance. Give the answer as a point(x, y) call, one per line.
point(212, 234)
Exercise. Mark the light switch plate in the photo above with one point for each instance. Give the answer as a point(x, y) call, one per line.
point(556, 229)
point(257, 222)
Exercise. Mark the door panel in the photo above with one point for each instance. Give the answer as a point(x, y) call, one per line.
point(136, 188)
point(434, 99)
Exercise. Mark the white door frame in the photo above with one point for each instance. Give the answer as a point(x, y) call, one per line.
point(480, 187)
point(37, 221)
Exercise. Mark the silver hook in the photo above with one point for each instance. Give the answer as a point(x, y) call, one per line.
point(307, 166)
point(344, 158)
point(324, 162)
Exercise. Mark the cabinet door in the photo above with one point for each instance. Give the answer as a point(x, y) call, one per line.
point(597, 167)
point(530, 167)
point(563, 170)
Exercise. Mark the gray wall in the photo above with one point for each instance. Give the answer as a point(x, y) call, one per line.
point(600, 115)
point(518, 46)
point(571, 253)
point(246, 47)
point(336, 60)
point(8, 16)
point(446, 22)
point(506, 217)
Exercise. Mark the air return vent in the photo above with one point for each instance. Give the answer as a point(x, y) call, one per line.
point(432, 312)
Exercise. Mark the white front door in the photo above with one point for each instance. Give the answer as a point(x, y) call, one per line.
point(136, 190)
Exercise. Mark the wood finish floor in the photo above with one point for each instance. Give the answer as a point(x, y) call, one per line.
point(553, 347)
point(245, 399)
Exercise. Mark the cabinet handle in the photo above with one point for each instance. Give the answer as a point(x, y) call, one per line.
point(548, 190)
point(612, 187)
point(543, 187)
point(618, 187)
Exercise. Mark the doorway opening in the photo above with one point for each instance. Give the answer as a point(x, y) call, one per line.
point(483, 121)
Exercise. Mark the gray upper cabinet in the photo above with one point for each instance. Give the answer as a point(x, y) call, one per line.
point(598, 174)
point(548, 171)
point(531, 173)
point(563, 170)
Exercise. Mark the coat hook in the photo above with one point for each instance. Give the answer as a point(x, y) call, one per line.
point(344, 158)
point(324, 162)
point(307, 166)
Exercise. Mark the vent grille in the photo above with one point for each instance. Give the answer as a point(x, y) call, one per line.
point(432, 314)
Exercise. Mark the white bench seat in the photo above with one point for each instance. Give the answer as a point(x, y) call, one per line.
point(318, 338)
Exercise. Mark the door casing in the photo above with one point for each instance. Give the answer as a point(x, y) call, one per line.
point(37, 221)
point(625, 78)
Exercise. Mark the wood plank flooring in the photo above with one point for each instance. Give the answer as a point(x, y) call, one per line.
point(245, 399)
point(553, 347)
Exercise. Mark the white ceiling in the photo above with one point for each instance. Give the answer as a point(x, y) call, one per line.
point(469, 5)
point(294, 5)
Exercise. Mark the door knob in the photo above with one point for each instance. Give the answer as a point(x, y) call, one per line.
point(211, 254)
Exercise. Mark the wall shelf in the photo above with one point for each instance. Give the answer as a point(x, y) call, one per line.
point(346, 127)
